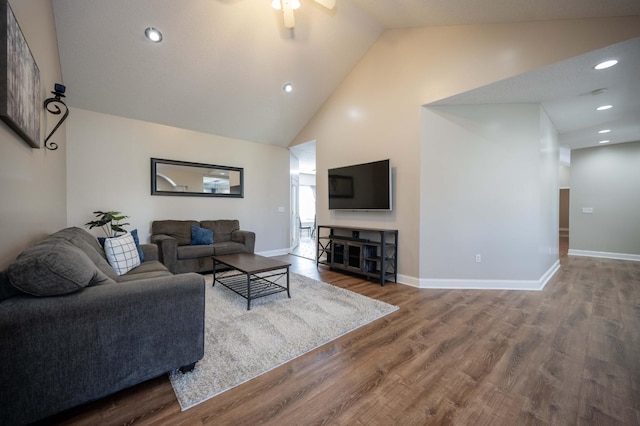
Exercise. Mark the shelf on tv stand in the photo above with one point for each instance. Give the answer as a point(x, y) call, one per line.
point(344, 248)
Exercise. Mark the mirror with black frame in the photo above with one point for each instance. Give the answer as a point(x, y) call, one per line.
point(182, 178)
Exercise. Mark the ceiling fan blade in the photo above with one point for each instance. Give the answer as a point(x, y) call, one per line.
point(287, 11)
point(329, 4)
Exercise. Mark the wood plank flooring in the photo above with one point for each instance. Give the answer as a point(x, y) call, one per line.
point(567, 355)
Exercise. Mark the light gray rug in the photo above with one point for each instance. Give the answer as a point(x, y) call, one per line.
point(240, 344)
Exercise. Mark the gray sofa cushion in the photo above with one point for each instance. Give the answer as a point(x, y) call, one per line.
point(178, 229)
point(52, 268)
point(149, 266)
point(78, 234)
point(222, 229)
point(228, 248)
point(147, 269)
point(192, 252)
point(90, 246)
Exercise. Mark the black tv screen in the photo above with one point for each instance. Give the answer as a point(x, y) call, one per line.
point(361, 186)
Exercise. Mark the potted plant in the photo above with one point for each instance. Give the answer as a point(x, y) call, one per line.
point(109, 222)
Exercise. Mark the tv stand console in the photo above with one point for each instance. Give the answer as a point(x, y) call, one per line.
point(364, 251)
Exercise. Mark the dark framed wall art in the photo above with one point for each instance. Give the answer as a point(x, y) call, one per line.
point(19, 80)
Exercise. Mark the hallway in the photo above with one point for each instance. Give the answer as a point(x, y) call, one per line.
point(306, 248)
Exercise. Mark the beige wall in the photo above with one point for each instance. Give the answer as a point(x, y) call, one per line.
point(606, 179)
point(32, 181)
point(376, 112)
point(109, 168)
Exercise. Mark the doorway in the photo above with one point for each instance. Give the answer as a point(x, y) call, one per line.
point(564, 220)
point(294, 217)
point(303, 200)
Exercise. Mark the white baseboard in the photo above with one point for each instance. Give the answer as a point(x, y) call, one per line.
point(546, 277)
point(270, 253)
point(605, 255)
point(535, 285)
point(407, 280)
point(451, 284)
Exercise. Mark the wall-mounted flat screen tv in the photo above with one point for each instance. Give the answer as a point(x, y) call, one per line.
point(364, 186)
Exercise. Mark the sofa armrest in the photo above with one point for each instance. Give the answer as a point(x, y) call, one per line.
point(63, 351)
point(248, 238)
point(167, 250)
point(150, 251)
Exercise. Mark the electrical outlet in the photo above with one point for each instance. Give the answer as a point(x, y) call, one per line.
point(478, 258)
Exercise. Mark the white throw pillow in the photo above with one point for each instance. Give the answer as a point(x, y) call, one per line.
point(122, 253)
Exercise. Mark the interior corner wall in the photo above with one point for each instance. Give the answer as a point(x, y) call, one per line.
point(488, 189)
point(375, 113)
point(32, 181)
point(548, 254)
point(607, 180)
point(109, 168)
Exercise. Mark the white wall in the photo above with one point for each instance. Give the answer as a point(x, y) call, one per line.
point(564, 176)
point(109, 168)
point(607, 179)
point(489, 187)
point(32, 181)
point(307, 179)
point(548, 250)
point(376, 112)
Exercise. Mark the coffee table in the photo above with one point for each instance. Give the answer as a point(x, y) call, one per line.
point(251, 275)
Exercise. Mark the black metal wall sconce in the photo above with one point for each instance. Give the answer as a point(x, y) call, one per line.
point(51, 105)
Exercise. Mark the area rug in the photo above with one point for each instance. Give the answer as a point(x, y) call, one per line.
point(240, 344)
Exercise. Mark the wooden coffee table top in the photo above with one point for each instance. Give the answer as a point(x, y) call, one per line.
point(250, 263)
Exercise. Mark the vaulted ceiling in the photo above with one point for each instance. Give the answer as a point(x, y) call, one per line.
point(222, 64)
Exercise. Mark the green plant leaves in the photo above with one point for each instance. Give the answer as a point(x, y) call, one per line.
point(109, 222)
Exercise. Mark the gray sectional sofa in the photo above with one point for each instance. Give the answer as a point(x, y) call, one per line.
point(179, 255)
point(73, 331)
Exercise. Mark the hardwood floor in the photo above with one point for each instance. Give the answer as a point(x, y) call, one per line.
point(569, 354)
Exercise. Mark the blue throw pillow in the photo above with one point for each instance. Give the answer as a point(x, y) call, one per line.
point(134, 234)
point(201, 236)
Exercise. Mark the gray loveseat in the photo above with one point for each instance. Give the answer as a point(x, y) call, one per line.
point(101, 334)
point(179, 255)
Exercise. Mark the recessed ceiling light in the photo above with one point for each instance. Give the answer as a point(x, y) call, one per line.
point(288, 88)
point(604, 107)
point(153, 34)
point(604, 131)
point(606, 64)
point(605, 141)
